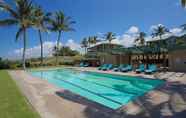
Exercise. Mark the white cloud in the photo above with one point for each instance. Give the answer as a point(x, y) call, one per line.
point(127, 39)
point(176, 31)
point(48, 47)
point(133, 30)
point(73, 45)
point(34, 51)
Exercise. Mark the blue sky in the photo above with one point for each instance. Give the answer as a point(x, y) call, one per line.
point(94, 17)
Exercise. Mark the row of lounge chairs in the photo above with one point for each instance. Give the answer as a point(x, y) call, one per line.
point(151, 68)
point(82, 64)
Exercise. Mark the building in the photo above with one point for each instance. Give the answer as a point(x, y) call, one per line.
point(104, 52)
point(177, 59)
point(164, 53)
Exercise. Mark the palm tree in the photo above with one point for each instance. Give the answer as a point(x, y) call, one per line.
point(183, 3)
point(95, 39)
point(60, 23)
point(40, 21)
point(109, 36)
point(140, 39)
point(84, 44)
point(159, 32)
point(20, 15)
point(90, 41)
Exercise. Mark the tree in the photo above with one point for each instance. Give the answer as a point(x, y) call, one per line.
point(159, 31)
point(89, 41)
point(92, 40)
point(20, 15)
point(40, 21)
point(140, 39)
point(109, 36)
point(66, 51)
point(60, 23)
point(84, 44)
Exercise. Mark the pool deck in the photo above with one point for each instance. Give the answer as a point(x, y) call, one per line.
point(50, 101)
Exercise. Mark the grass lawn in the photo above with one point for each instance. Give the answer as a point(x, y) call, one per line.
point(12, 103)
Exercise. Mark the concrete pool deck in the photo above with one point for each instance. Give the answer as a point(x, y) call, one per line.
point(53, 102)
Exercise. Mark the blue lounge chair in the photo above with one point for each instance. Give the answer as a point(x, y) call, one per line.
point(141, 68)
point(127, 68)
point(102, 66)
point(86, 65)
point(119, 68)
point(81, 64)
point(108, 67)
point(152, 68)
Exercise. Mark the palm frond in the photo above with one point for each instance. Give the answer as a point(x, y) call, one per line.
point(183, 3)
point(8, 22)
point(6, 7)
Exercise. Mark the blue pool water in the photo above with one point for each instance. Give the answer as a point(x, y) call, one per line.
point(109, 90)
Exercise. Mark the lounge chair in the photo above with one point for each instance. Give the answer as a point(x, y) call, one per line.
point(86, 65)
point(102, 66)
point(108, 67)
point(141, 68)
point(127, 68)
point(152, 68)
point(81, 64)
point(119, 68)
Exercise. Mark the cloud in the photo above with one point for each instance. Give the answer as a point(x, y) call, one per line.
point(132, 30)
point(176, 31)
point(128, 37)
point(73, 45)
point(34, 51)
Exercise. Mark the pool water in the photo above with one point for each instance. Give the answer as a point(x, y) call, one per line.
point(109, 90)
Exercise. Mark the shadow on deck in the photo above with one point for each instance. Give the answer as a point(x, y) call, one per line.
point(168, 101)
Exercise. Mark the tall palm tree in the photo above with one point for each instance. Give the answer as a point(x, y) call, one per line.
point(140, 39)
point(90, 41)
point(84, 44)
point(159, 32)
point(60, 23)
point(20, 15)
point(93, 40)
point(109, 36)
point(40, 21)
point(183, 3)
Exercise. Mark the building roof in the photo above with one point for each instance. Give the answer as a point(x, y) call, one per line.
point(109, 44)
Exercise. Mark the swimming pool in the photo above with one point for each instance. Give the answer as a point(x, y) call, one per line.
point(109, 90)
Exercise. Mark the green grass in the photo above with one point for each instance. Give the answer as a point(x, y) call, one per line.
point(12, 103)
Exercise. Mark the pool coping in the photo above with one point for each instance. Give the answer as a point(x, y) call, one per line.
point(132, 108)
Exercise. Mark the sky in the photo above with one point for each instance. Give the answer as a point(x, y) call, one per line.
point(96, 17)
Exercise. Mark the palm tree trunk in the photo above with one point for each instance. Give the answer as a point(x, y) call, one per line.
point(24, 49)
point(41, 44)
point(57, 54)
